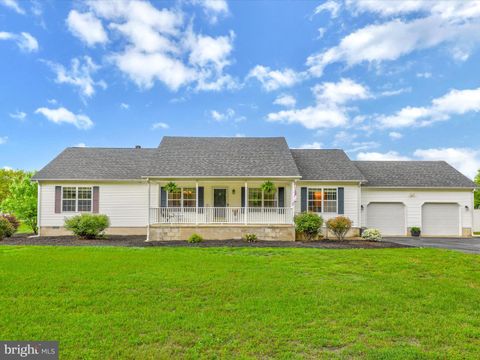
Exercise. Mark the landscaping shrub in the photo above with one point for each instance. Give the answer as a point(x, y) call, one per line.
point(309, 224)
point(415, 231)
point(12, 220)
point(339, 226)
point(6, 229)
point(372, 235)
point(251, 238)
point(195, 238)
point(87, 226)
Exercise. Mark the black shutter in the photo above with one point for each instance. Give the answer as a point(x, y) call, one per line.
point(243, 196)
point(58, 199)
point(281, 197)
point(163, 197)
point(303, 199)
point(201, 196)
point(341, 200)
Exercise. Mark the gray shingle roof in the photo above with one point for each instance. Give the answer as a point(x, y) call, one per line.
point(98, 164)
point(413, 174)
point(223, 156)
point(320, 164)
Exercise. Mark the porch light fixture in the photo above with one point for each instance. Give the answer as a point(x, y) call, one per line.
point(361, 207)
point(466, 207)
point(233, 191)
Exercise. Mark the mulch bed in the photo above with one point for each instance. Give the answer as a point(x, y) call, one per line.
point(139, 241)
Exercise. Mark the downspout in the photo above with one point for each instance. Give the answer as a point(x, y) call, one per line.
point(148, 211)
point(39, 202)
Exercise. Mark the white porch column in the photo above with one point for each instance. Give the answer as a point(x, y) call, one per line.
point(148, 211)
point(196, 202)
point(39, 207)
point(293, 200)
point(246, 202)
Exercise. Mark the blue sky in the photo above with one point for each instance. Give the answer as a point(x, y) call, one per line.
point(381, 79)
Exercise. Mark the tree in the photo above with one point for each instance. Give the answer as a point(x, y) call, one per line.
point(6, 178)
point(22, 200)
point(477, 192)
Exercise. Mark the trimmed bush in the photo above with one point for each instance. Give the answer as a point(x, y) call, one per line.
point(251, 238)
point(372, 235)
point(88, 226)
point(6, 229)
point(309, 224)
point(339, 226)
point(195, 238)
point(12, 219)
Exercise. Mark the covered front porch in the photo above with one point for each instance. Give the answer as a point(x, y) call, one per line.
point(221, 201)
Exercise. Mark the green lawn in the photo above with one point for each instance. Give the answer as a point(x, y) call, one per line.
point(155, 303)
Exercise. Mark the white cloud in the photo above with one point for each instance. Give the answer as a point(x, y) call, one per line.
point(330, 110)
point(7, 168)
point(52, 101)
point(160, 125)
point(285, 100)
point(13, 4)
point(376, 156)
point(391, 40)
point(466, 160)
point(394, 135)
point(425, 75)
point(229, 114)
point(395, 92)
point(455, 102)
point(159, 45)
point(363, 146)
point(3, 139)
point(331, 6)
point(314, 145)
point(124, 106)
point(24, 40)
point(340, 92)
point(79, 75)
point(275, 79)
point(80, 145)
point(214, 8)
point(87, 27)
point(62, 115)
point(19, 115)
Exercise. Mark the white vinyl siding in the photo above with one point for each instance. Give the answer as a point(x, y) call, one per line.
point(389, 218)
point(440, 219)
point(351, 199)
point(126, 204)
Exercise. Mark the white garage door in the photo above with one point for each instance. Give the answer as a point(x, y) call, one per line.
point(440, 219)
point(389, 218)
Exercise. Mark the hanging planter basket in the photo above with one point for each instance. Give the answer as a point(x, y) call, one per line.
point(171, 187)
point(268, 187)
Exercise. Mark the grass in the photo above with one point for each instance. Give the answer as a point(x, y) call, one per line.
point(154, 303)
point(24, 229)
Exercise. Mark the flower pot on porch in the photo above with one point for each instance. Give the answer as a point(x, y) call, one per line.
point(415, 232)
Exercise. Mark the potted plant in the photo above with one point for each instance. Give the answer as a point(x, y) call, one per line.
point(268, 187)
point(171, 187)
point(415, 231)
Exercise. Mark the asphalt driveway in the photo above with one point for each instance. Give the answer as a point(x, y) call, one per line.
point(470, 245)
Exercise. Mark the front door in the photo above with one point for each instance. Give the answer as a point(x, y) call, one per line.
point(219, 201)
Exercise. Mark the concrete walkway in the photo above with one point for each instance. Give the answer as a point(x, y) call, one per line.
point(470, 245)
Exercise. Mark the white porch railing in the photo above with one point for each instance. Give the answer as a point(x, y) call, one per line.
point(221, 215)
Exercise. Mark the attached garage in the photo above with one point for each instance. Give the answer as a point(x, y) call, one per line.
point(389, 218)
point(440, 219)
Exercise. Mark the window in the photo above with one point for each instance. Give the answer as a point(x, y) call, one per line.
point(322, 200)
point(84, 199)
point(69, 199)
point(183, 197)
point(254, 198)
point(330, 200)
point(77, 199)
point(257, 198)
point(189, 197)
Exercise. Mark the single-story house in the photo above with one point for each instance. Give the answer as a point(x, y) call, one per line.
point(219, 190)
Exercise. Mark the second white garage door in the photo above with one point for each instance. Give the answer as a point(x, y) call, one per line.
point(389, 218)
point(440, 219)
